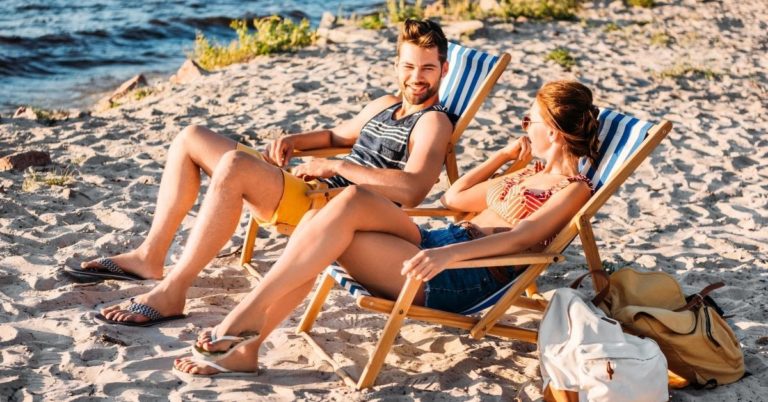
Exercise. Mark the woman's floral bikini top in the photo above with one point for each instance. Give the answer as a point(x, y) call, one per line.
point(513, 201)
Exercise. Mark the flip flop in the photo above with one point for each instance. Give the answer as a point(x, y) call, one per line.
point(205, 355)
point(223, 372)
point(145, 310)
point(108, 270)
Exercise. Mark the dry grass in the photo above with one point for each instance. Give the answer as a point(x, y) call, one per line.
point(34, 180)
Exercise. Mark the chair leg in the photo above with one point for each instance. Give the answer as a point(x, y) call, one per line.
point(531, 290)
point(492, 316)
point(591, 252)
point(249, 242)
point(318, 299)
point(391, 329)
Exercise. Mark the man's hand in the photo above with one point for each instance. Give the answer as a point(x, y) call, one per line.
point(279, 152)
point(317, 167)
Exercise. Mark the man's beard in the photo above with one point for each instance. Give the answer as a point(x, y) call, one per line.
point(421, 98)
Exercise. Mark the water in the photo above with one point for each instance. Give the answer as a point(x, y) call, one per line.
point(63, 53)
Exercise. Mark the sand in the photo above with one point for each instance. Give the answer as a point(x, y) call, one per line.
point(696, 209)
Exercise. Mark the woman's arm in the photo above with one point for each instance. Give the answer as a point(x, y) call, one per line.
point(468, 192)
point(539, 226)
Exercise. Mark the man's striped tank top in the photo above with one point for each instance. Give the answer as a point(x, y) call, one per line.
point(383, 142)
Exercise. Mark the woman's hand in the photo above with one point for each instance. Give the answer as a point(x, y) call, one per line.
point(426, 264)
point(520, 149)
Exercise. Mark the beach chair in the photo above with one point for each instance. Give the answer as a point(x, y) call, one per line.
point(625, 143)
point(471, 76)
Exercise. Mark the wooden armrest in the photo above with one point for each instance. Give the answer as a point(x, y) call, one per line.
point(321, 152)
point(436, 211)
point(510, 259)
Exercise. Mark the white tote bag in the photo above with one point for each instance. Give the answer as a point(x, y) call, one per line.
point(584, 351)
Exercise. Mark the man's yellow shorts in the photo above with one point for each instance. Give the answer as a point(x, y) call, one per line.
point(294, 202)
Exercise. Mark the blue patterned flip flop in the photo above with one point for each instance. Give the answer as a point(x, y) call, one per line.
point(108, 270)
point(145, 310)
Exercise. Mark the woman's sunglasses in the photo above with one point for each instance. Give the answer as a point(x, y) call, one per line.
point(526, 122)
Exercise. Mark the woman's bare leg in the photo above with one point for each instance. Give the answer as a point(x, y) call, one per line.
point(237, 177)
point(195, 148)
point(368, 233)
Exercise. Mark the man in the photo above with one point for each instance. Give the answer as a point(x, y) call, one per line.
point(399, 145)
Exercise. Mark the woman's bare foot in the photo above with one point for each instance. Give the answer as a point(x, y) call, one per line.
point(240, 359)
point(164, 302)
point(133, 262)
point(205, 340)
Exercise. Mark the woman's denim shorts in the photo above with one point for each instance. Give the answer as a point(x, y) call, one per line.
point(456, 290)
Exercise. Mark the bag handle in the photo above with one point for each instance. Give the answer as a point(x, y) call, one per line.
point(698, 298)
point(600, 297)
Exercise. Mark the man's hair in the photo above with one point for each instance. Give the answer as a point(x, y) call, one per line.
point(424, 34)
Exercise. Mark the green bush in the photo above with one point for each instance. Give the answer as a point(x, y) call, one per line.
point(142, 93)
point(661, 39)
point(540, 9)
point(463, 10)
point(688, 70)
point(273, 35)
point(33, 180)
point(399, 10)
point(640, 3)
point(562, 57)
point(373, 21)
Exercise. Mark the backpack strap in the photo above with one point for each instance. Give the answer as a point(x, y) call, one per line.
point(698, 298)
point(600, 297)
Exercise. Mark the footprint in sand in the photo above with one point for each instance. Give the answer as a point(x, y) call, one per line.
point(115, 219)
point(8, 334)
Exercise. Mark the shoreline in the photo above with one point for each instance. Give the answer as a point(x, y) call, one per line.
point(695, 209)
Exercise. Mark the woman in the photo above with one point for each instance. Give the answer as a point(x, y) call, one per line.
point(380, 246)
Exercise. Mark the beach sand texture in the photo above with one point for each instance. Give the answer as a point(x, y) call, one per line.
point(695, 209)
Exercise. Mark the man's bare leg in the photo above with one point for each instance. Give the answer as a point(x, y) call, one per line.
point(195, 148)
point(369, 237)
point(237, 177)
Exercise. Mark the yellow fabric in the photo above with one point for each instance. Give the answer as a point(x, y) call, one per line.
point(294, 202)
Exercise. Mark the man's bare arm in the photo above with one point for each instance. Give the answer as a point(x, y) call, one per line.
point(409, 186)
point(344, 135)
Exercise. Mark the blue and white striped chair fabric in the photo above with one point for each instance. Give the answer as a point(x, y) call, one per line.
point(356, 289)
point(345, 280)
point(467, 69)
point(620, 136)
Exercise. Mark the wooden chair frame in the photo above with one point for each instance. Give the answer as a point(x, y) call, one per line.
point(487, 324)
point(451, 166)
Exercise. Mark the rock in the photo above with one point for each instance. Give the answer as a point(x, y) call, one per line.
point(456, 30)
point(23, 160)
point(24, 112)
point(137, 81)
point(188, 72)
point(78, 114)
point(327, 21)
point(343, 34)
point(489, 5)
point(107, 102)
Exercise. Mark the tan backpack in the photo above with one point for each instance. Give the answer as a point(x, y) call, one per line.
point(697, 342)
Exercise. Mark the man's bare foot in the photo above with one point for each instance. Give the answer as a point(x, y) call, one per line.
point(132, 262)
point(166, 304)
